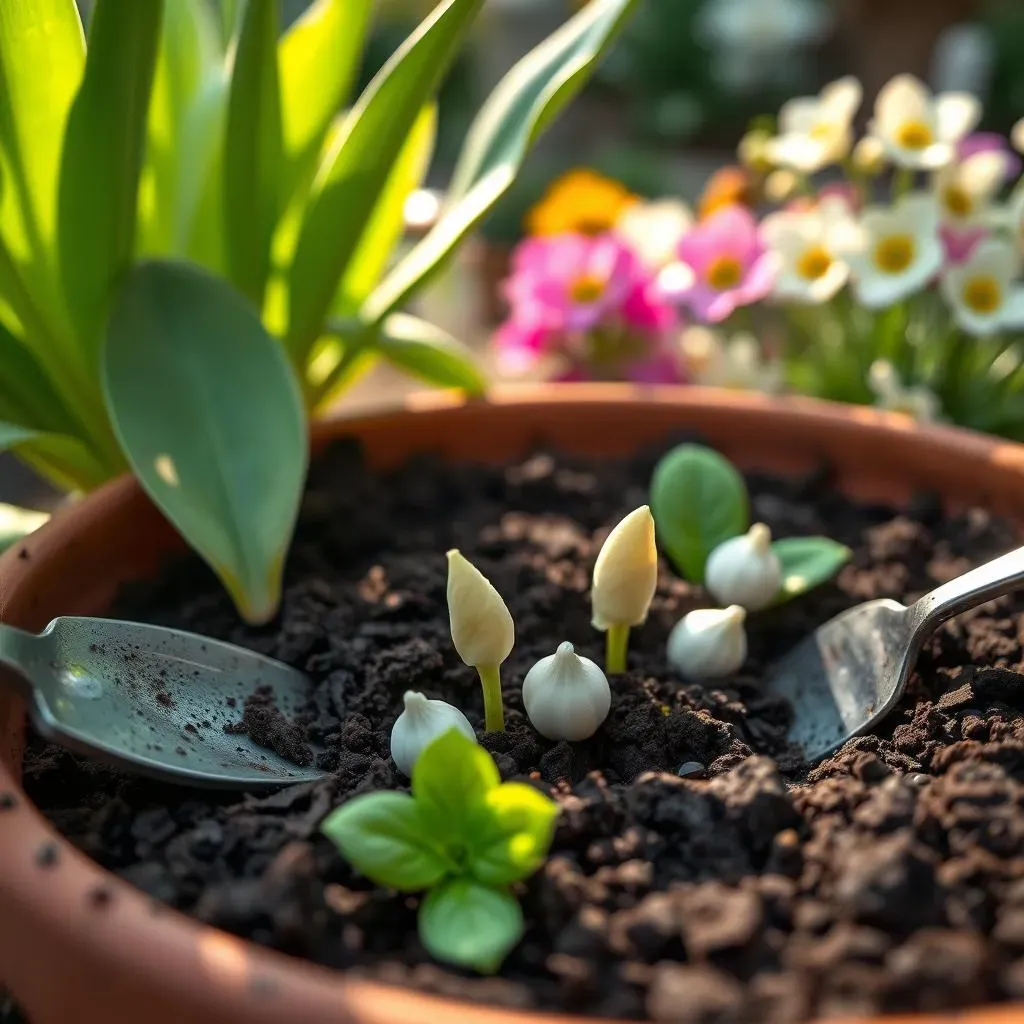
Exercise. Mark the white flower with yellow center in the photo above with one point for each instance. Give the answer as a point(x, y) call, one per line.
point(808, 243)
point(918, 130)
point(738, 363)
point(964, 190)
point(983, 291)
point(653, 230)
point(815, 131)
point(892, 395)
point(894, 251)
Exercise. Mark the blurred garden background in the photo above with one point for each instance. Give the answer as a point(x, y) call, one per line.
point(685, 83)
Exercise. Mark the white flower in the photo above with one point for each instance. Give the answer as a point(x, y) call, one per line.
point(654, 230)
point(815, 131)
point(809, 243)
point(1017, 136)
point(983, 292)
point(895, 251)
point(918, 130)
point(964, 190)
point(892, 395)
point(738, 363)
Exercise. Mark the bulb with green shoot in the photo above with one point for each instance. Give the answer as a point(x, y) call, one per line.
point(625, 579)
point(482, 630)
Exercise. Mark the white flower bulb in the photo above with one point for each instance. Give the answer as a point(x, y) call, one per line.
point(482, 628)
point(745, 570)
point(626, 572)
point(421, 723)
point(709, 643)
point(566, 697)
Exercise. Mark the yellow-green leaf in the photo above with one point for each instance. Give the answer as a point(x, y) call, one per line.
point(210, 416)
point(425, 351)
point(102, 160)
point(356, 170)
point(42, 56)
point(387, 223)
point(319, 57)
point(188, 55)
point(518, 111)
point(253, 151)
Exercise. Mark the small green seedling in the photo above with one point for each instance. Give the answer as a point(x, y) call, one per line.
point(464, 837)
point(700, 501)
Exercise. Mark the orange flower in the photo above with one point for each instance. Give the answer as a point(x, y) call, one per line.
point(728, 186)
point(580, 202)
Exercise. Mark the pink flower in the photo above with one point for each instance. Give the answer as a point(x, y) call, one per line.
point(960, 243)
point(730, 264)
point(588, 300)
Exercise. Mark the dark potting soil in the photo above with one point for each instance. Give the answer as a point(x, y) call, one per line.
point(700, 872)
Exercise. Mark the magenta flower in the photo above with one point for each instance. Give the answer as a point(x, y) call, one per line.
point(588, 300)
point(730, 264)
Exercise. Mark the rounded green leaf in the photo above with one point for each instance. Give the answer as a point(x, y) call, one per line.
point(450, 779)
point(387, 837)
point(462, 922)
point(698, 500)
point(210, 417)
point(807, 562)
point(510, 833)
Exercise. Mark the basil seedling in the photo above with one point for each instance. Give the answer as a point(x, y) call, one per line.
point(464, 837)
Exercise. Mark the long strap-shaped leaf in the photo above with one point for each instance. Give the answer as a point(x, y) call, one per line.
point(210, 416)
point(318, 57)
point(521, 107)
point(103, 150)
point(26, 392)
point(252, 151)
point(357, 168)
point(42, 56)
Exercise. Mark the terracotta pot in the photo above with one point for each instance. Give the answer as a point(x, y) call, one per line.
point(72, 958)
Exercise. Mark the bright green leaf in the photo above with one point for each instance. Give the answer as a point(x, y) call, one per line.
point(429, 353)
point(231, 12)
point(510, 833)
point(210, 416)
point(471, 925)
point(386, 837)
point(356, 169)
point(61, 459)
point(42, 56)
point(386, 225)
point(808, 562)
point(26, 391)
point(102, 160)
point(199, 226)
point(252, 157)
point(319, 58)
point(519, 110)
point(16, 523)
point(451, 777)
point(698, 500)
point(188, 54)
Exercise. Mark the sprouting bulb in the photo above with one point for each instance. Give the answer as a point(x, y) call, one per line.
point(566, 697)
point(709, 643)
point(745, 570)
point(421, 722)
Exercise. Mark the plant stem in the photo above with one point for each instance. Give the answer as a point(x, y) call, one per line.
point(616, 642)
point(494, 710)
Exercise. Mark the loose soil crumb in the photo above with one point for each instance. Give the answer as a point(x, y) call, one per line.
point(700, 870)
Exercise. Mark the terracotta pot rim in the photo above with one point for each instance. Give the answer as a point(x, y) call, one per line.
point(232, 976)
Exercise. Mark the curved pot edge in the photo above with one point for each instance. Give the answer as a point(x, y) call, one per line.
point(232, 980)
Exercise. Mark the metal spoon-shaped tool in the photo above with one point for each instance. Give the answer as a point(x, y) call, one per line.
point(851, 672)
point(150, 700)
